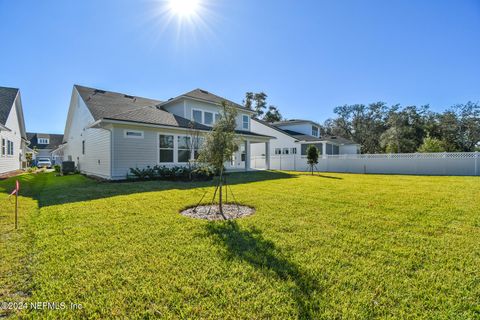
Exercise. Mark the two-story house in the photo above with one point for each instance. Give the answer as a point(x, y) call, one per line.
point(44, 145)
point(13, 138)
point(107, 133)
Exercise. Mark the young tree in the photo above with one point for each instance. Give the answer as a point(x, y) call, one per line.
point(312, 156)
point(260, 103)
point(220, 144)
point(431, 145)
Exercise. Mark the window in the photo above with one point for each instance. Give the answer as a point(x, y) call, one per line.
point(43, 140)
point(217, 117)
point(293, 150)
point(166, 148)
point(314, 131)
point(329, 148)
point(10, 148)
point(3, 147)
point(183, 147)
point(197, 116)
point(208, 118)
point(133, 134)
point(305, 147)
point(83, 146)
point(243, 153)
point(285, 151)
point(336, 149)
point(278, 151)
point(245, 120)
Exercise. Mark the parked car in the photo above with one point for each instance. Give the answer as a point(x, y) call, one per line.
point(44, 162)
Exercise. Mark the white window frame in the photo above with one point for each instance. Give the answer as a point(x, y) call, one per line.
point(173, 149)
point(3, 146)
point(317, 129)
point(277, 151)
point(10, 147)
point(125, 134)
point(243, 122)
point(293, 150)
point(43, 141)
point(216, 117)
point(285, 151)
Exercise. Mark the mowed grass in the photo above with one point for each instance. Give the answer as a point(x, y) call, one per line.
point(325, 246)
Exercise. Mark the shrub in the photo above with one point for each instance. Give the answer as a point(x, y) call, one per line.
point(176, 173)
point(57, 168)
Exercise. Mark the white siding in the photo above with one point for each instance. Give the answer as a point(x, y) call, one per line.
point(11, 163)
point(282, 140)
point(177, 108)
point(96, 160)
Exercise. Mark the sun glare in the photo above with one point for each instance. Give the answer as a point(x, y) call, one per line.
point(184, 8)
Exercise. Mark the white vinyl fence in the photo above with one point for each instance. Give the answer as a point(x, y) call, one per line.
point(445, 163)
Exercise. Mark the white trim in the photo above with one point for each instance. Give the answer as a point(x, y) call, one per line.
point(201, 115)
point(236, 105)
point(125, 135)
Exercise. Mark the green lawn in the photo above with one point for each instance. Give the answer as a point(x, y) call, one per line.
point(331, 246)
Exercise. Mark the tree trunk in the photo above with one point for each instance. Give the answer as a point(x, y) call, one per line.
point(220, 201)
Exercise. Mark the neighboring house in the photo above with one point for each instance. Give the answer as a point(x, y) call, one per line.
point(107, 133)
point(45, 145)
point(13, 138)
point(294, 137)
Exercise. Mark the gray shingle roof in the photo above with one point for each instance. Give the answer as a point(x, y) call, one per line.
point(104, 104)
point(204, 95)
point(7, 97)
point(294, 121)
point(305, 137)
point(153, 115)
point(55, 140)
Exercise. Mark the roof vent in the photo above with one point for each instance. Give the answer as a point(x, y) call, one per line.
point(170, 99)
point(203, 91)
point(127, 96)
point(99, 91)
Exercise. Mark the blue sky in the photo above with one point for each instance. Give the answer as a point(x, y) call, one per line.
point(308, 56)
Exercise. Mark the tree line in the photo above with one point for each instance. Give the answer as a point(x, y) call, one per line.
point(379, 128)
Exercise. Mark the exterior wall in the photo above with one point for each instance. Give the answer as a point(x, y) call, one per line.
point(13, 162)
point(305, 128)
point(281, 141)
point(184, 108)
point(142, 152)
point(177, 108)
point(96, 160)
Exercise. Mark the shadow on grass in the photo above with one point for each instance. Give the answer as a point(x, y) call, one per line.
point(316, 174)
point(250, 246)
point(49, 189)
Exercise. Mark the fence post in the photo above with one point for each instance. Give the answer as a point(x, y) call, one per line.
point(476, 163)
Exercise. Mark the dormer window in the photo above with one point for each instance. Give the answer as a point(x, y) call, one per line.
point(245, 122)
point(43, 141)
point(314, 131)
point(197, 116)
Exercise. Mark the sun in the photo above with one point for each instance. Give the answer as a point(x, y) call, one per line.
point(184, 8)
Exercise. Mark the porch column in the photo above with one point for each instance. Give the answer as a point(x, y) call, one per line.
point(267, 155)
point(247, 155)
point(324, 150)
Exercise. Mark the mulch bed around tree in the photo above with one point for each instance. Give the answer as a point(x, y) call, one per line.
point(211, 212)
